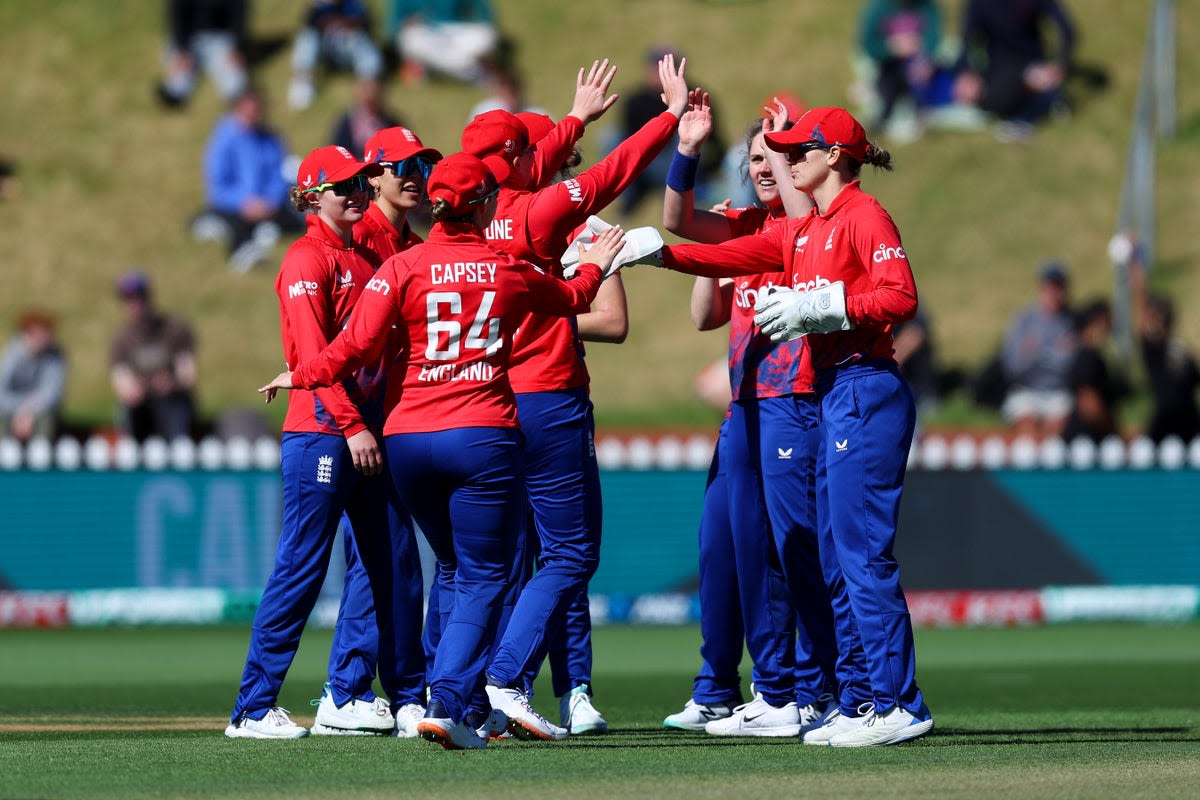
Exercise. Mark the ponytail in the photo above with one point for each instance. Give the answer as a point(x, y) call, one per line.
point(878, 157)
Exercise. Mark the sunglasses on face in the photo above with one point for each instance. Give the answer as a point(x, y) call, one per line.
point(494, 191)
point(352, 185)
point(409, 167)
point(800, 151)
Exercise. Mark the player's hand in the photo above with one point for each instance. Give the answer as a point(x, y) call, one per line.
point(281, 381)
point(696, 124)
point(775, 116)
point(591, 92)
point(675, 91)
point(364, 449)
point(723, 206)
point(604, 249)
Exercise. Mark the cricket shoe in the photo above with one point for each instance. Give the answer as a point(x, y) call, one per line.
point(837, 723)
point(758, 718)
point(355, 718)
point(450, 734)
point(893, 727)
point(275, 724)
point(578, 715)
point(407, 717)
point(696, 715)
point(523, 721)
point(491, 726)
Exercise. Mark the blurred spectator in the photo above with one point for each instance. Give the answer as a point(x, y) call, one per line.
point(1036, 358)
point(901, 38)
point(1170, 366)
point(639, 106)
point(1095, 388)
point(449, 37)
point(8, 178)
point(1005, 68)
point(336, 33)
point(913, 348)
point(206, 36)
point(247, 192)
point(364, 118)
point(33, 376)
point(153, 366)
point(507, 93)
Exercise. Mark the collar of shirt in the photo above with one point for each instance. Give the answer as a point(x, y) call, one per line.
point(848, 193)
point(320, 230)
point(456, 232)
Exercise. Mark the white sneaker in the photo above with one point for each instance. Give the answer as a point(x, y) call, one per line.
point(578, 715)
point(247, 255)
point(275, 724)
point(813, 715)
point(210, 228)
point(494, 726)
point(523, 721)
point(893, 727)
point(837, 723)
point(450, 734)
point(407, 717)
point(696, 715)
point(758, 718)
point(355, 718)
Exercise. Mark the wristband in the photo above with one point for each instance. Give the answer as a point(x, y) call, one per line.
point(682, 175)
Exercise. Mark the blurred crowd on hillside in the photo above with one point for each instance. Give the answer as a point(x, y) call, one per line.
point(1003, 66)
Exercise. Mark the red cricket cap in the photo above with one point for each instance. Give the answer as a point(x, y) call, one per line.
point(331, 164)
point(462, 180)
point(537, 124)
point(496, 133)
point(396, 144)
point(827, 127)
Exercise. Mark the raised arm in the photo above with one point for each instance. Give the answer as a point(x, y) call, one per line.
point(795, 202)
point(591, 101)
point(680, 215)
point(559, 209)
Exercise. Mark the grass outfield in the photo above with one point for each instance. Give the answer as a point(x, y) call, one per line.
point(1057, 712)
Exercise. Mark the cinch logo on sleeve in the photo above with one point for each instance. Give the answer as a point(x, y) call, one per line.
point(379, 285)
point(815, 283)
point(574, 190)
point(885, 253)
point(302, 288)
point(745, 297)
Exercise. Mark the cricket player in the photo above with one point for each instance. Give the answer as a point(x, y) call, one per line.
point(852, 283)
point(453, 445)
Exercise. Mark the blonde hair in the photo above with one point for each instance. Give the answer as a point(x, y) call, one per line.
point(301, 201)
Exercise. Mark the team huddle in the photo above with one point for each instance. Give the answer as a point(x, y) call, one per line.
point(441, 385)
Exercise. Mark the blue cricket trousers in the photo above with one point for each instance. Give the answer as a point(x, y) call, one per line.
point(562, 481)
point(355, 650)
point(768, 616)
point(866, 428)
point(571, 647)
point(465, 490)
point(721, 631)
point(788, 452)
point(319, 483)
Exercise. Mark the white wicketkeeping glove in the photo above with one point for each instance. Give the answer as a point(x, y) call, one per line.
point(785, 314)
point(642, 246)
